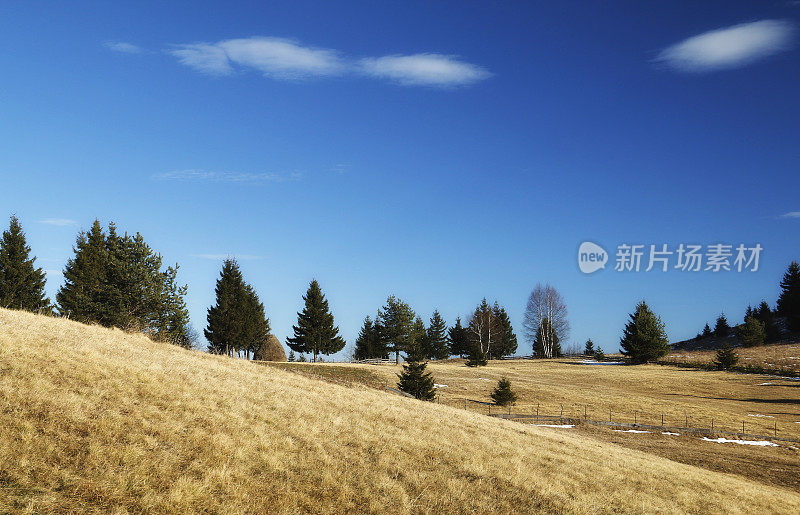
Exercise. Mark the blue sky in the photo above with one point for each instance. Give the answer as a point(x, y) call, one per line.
point(439, 151)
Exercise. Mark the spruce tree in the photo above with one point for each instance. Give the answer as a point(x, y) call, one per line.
point(226, 318)
point(545, 329)
point(765, 315)
point(459, 339)
point(21, 282)
point(291, 357)
point(503, 395)
point(707, 331)
point(419, 337)
point(721, 328)
point(476, 356)
point(752, 332)
point(83, 296)
point(315, 332)
point(644, 338)
point(589, 348)
point(396, 321)
point(365, 341)
point(437, 343)
point(414, 380)
point(726, 357)
point(789, 299)
point(507, 341)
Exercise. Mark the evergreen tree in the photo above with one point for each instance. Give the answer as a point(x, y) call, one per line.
point(542, 336)
point(365, 341)
point(476, 357)
point(21, 282)
point(414, 379)
point(419, 337)
point(644, 338)
point(726, 357)
point(789, 299)
point(236, 322)
point(589, 349)
point(315, 332)
point(765, 315)
point(82, 297)
point(752, 332)
point(291, 356)
point(396, 321)
point(507, 340)
point(459, 339)
point(503, 395)
point(721, 328)
point(302, 358)
point(706, 331)
point(599, 355)
point(437, 343)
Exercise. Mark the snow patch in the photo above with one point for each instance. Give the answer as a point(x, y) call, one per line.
point(629, 431)
point(588, 362)
point(436, 385)
point(760, 443)
point(483, 379)
point(670, 434)
point(765, 384)
point(758, 415)
point(559, 426)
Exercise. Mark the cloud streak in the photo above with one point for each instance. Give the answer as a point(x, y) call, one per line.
point(730, 47)
point(123, 47)
point(287, 59)
point(59, 222)
point(791, 214)
point(240, 177)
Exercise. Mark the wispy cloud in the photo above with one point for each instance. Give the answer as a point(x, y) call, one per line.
point(60, 222)
point(730, 47)
point(791, 214)
point(123, 47)
point(274, 57)
point(221, 257)
point(424, 70)
point(210, 176)
point(280, 58)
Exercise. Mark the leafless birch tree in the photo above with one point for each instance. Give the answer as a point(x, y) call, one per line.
point(546, 303)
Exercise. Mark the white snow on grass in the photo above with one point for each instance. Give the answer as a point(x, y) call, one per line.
point(759, 415)
point(558, 426)
point(670, 434)
point(483, 379)
point(760, 443)
point(588, 362)
point(765, 384)
point(435, 385)
point(629, 431)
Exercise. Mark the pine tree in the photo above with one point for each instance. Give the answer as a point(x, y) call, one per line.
point(589, 349)
point(542, 336)
point(302, 358)
point(82, 297)
point(752, 332)
point(789, 299)
point(227, 318)
point(315, 331)
point(721, 328)
point(726, 357)
point(507, 340)
point(21, 283)
point(459, 339)
point(476, 356)
point(419, 337)
point(437, 343)
point(256, 327)
point(503, 395)
point(706, 331)
point(599, 355)
point(365, 341)
point(414, 380)
point(765, 315)
point(396, 321)
point(291, 356)
point(644, 338)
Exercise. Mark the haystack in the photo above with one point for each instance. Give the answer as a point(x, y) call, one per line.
point(271, 350)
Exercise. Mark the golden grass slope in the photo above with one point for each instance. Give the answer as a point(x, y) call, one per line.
point(98, 420)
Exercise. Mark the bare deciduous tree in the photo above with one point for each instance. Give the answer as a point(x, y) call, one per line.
point(546, 302)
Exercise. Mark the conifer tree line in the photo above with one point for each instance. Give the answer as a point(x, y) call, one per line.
point(396, 328)
point(21, 282)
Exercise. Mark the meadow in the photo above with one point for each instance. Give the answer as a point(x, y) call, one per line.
point(98, 420)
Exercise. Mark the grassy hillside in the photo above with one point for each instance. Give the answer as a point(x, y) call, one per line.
point(783, 358)
point(97, 420)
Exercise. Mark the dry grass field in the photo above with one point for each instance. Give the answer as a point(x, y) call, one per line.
point(783, 358)
point(94, 420)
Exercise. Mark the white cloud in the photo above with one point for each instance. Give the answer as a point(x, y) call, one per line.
point(274, 57)
point(280, 58)
point(221, 257)
point(424, 70)
point(60, 222)
point(730, 47)
point(207, 176)
point(125, 48)
point(791, 214)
